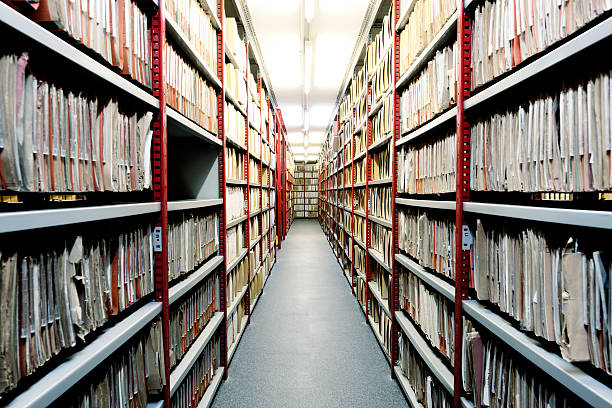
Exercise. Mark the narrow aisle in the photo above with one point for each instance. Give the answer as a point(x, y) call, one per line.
point(308, 344)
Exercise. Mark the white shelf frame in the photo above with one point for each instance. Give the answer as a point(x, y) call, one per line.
point(181, 370)
point(182, 287)
point(570, 376)
point(182, 205)
point(28, 220)
point(580, 218)
point(61, 379)
point(72, 55)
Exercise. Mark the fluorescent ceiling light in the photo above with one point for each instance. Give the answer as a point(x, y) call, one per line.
point(298, 149)
point(320, 115)
point(307, 66)
point(306, 120)
point(332, 54)
point(316, 137)
point(295, 137)
point(299, 158)
point(313, 150)
point(283, 7)
point(281, 52)
point(309, 6)
point(341, 6)
point(292, 116)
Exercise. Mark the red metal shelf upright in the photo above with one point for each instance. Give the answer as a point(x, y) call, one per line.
point(368, 262)
point(222, 189)
point(160, 181)
point(395, 218)
point(462, 267)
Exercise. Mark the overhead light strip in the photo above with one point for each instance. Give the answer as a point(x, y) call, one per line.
point(368, 21)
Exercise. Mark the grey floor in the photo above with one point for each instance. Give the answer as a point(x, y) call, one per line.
point(308, 344)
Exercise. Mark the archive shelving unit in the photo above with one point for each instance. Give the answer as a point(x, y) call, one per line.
point(306, 178)
point(342, 205)
point(188, 164)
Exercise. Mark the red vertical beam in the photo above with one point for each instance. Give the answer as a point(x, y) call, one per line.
point(247, 191)
point(160, 183)
point(396, 135)
point(222, 189)
point(367, 190)
point(260, 176)
point(353, 175)
point(462, 266)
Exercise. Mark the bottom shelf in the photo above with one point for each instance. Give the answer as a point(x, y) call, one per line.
point(405, 386)
point(379, 338)
point(234, 346)
point(211, 391)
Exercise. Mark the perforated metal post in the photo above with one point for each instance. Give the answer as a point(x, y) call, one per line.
point(395, 218)
point(160, 182)
point(222, 188)
point(368, 266)
point(247, 190)
point(462, 268)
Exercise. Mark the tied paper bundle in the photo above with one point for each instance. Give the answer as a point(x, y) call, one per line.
point(51, 299)
point(54, 140)
point(559, 292)
point(189, 318)
point(115, 30)
point(505, 33)
point(556, 143)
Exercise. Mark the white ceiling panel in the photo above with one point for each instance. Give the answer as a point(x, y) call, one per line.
point(282, 30)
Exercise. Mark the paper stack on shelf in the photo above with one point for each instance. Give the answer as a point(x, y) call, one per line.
point(48, 148)
point(124, 43)
point(429, 238)
point(77, 281)
point(200, 231)
point(188, 92)
point(196, 382)
point(558, 143)
point(428, 167)
point(188, 319)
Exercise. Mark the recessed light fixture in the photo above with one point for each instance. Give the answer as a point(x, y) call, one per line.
point(309, 6)
point(307, 66)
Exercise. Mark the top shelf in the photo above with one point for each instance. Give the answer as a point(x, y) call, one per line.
point(71, 55)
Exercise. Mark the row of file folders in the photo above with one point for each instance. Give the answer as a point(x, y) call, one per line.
point(73, 281)
point(555, 143)
point(551, 281)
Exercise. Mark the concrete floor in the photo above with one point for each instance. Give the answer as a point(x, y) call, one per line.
point(308, 344)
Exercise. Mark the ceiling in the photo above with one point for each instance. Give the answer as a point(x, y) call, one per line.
point(283, 33)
